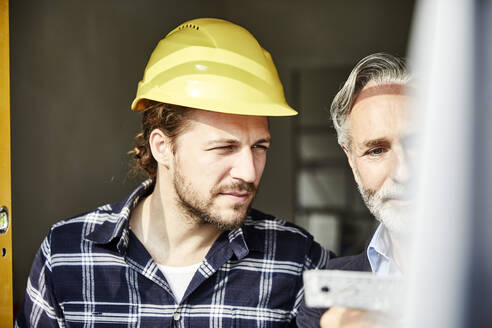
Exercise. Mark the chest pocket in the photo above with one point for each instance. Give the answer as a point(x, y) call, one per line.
point(101, 315)
point(270, 306)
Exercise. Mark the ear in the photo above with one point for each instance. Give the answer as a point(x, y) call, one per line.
point(161, 147)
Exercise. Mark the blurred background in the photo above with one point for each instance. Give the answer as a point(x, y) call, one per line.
point(74, 71)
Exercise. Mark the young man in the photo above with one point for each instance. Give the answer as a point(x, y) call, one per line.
point(370, 116)
point(184, 249)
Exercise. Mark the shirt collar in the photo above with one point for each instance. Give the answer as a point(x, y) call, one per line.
point(380, 252)
point(245, 239)
point(116, 216)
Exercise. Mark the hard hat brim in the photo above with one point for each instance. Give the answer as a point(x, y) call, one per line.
point(258, 109)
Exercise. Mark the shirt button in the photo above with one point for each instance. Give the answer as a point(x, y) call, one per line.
point(176, 316)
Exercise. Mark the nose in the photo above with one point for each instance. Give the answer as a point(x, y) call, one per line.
point(244, 166)
point(402, 170)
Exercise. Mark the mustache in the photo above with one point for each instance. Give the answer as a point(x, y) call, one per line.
point(393, 192)
point(235, 187)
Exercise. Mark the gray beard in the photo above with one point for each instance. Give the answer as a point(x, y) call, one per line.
point(395, 218)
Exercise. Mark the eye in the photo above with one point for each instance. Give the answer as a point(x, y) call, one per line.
point(225, 149)
point(377, 151)
point(262, 148)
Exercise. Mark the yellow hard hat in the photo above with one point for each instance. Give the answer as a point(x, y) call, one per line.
point(214, 65)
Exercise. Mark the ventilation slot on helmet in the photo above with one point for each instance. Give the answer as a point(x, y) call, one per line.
point(195, 27)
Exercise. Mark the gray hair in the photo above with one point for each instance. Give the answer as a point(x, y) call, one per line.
point(380, 68)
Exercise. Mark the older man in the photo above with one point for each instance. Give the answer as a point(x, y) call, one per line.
point(370, 116)
point(184, 249)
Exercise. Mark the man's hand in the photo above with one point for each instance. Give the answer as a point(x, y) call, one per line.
point(338, 317)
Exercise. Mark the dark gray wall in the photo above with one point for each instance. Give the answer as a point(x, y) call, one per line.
point(75, 67)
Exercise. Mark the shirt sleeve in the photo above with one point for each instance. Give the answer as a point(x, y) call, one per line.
point(316, 258)
point(40, 308)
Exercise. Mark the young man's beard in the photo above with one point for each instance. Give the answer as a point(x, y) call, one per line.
point(200, 209)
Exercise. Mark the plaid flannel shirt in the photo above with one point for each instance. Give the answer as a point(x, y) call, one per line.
point(92, 271)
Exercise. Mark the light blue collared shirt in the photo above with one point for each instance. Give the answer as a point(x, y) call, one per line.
point(380, 253)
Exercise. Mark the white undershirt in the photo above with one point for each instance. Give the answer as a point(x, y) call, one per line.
point(179, 278)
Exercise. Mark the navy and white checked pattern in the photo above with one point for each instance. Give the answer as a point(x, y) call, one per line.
point(92, 271)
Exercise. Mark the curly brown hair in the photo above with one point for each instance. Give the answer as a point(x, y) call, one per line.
point(172, 120)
